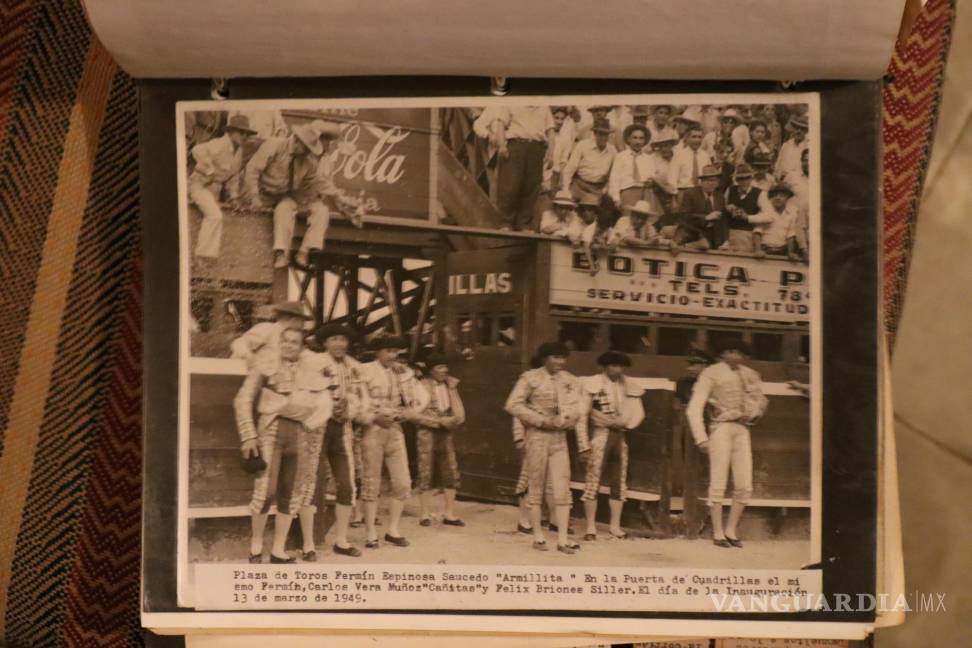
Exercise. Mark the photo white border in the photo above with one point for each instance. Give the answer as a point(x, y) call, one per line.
point(342, 620)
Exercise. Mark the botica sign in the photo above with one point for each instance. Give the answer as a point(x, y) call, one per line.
point(689, 284)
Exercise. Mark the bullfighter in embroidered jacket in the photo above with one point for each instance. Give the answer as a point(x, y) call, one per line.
point(734, 396)
point(395, 395)
point(548, 402)
point(290, 403)
point(613, 406)
point(436, 448)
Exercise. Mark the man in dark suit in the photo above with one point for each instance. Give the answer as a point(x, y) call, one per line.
point(701, 222)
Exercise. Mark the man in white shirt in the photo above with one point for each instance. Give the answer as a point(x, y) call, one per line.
point(632, 173)
point(589, 166)
point(688, 162)
point(562, 220)
point(525, 140)
point(734, 396)
point(659, 126)
point(218, 161)
point(639, 226)
point(775, 231)
point(801, 201)
point(788, 161)
point(564, 139)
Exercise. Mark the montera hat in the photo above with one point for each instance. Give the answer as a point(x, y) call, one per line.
point(434, 360)
point(332, 329)
point(614, 358)
point(548, 349)
point(385, 341)
point(240, 123)
point(733, 344)
point(710, 171)
point(292, 308)
point(307, 134)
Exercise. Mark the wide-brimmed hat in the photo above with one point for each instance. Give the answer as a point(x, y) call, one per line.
point(614, 358)
point(691, 115)
point(644, 208)
point(593, 108)
point(667, 107)
point(434, 360)
point(640, 111)
point(636, 127)
point(733, 344)
point(548, 349)
point(760, 159)
point(307, 134)
point(664, 139)
point(332, 329)
point(710, 171)
point(564, 197)
point(328, 129)
point(386, 341)
point(590, 200)
point(602, 126)
point(240, 123)
point(778, 188)
point(293, 308)
point(743, 171)
point(798, 121)
point(731, 113)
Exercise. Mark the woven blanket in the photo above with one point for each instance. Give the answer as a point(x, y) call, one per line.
point(70, 326)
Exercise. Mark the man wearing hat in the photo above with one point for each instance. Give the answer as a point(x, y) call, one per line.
point(788, 161)
point(287, 401)
point(613, 406)
point(701, 223)
point(734, 396)
point(639, 226)
point(394, 395)
point(589, 165)
point(688, 162)
point(266, 335)
point(775, 227)
point(436, 449)
point(732, 129)
point(742, 201)
point(524, 136)
point(548, 401)
point(284, 175)
point(342, 374)
point(562, 220)
point(659, 127)
point(217, 161)
point(632, 175)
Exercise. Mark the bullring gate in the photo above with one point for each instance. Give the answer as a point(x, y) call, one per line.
point(438, 271)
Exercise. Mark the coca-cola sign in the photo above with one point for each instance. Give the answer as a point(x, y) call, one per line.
point(385, 154)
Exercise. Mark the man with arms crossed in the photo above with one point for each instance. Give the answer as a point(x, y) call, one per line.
point(735, 398)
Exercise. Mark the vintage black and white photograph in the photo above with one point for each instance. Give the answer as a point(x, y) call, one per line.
point(546, 343)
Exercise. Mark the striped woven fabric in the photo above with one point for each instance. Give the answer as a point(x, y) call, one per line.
point(70, 335)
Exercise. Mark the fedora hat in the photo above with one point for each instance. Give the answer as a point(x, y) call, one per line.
point(240, 123)
point(710, 171)
point(307, 134)
point(602, 126)
point(593, 108)
point(731, 113)
point(665, 138)
point(644, 208)
point(563, 197)
point(798, 121)
point(328, 129)
point(590, 200)
point(743, 171)
point(292, 308)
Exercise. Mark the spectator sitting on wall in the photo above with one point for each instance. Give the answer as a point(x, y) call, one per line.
point(638, 228)
point(599, 237)
point(562, 220)
point(775, 231)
